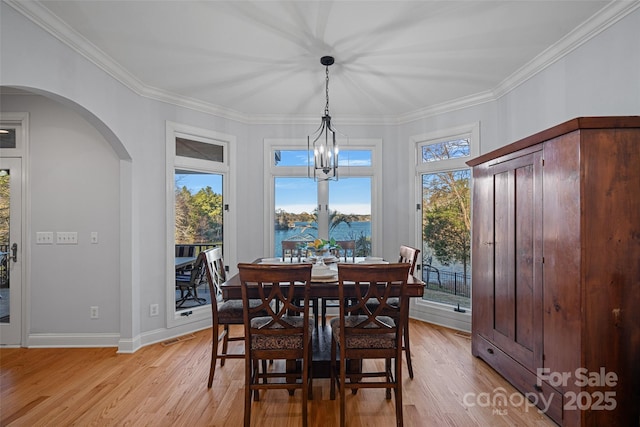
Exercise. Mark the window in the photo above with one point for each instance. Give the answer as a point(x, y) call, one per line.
point(446, 237)
point(304, 210)
point(198, 167)
point(444, 223)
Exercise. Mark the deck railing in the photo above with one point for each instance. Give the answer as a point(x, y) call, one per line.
point(447, 281)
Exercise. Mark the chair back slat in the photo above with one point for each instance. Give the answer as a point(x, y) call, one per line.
point(216, 273)
point(291, 251)
point(347, 250)
point(409, 255)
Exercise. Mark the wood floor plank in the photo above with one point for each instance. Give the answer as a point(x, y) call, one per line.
point(166, 386)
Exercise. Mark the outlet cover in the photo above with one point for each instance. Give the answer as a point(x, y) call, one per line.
point(154, 310)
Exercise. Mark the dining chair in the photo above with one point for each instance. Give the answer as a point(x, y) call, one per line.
point(359, 333)
point(346, 250)
point(224, 313)
point(283, 333)
point(187, 282)
point(292, 252)
point(408, 255)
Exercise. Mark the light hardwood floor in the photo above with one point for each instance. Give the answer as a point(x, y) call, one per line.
point(166, 385)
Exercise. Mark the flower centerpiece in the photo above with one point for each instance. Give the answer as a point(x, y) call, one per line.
point(321, 247)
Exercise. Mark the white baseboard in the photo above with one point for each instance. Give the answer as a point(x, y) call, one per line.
point(73, 340)
point(130, 345)
point(440, 314)
point(160, 335)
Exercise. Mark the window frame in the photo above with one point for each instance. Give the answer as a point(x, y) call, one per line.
point(271, 171)
point(431, 311)
point(227, 169)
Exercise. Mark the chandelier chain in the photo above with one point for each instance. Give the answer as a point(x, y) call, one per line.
point(326, 107)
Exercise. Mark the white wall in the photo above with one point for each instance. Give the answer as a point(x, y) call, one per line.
point(599, 78)
point(74, 187)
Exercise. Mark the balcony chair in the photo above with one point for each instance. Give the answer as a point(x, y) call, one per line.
point(359, 333)
point(187, 282)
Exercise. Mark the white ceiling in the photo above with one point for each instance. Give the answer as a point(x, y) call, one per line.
point(259, 61)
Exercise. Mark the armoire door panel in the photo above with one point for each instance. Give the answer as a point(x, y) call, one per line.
point(503, 303)
point(482, 260)
point(517, 283)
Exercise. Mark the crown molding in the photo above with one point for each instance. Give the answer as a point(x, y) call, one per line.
point(600, 21)
point(49, 22)
point(606, 17)
point(447, 107)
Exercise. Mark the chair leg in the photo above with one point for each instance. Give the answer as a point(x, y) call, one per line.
point(387, 365)
point(324, 313)
point(333, 371)
point(214, 353)
point(398, 390)
point(407, 350)
point(225, 343)
point(247, 392)
point(316, 311)
point(310, 369)
point(305, 388)
point(341, 387)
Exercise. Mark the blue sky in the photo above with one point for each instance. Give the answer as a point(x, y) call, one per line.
point(347, 195)
point(297, 195)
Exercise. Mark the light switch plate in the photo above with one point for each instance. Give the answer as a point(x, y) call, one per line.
point(67, 238)
point(44, 238)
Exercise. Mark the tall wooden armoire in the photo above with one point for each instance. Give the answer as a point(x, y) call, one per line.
point(556, 268)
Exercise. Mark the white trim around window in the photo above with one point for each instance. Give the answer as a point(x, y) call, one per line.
point(227, 168)
point(429, 311)
point(271, 172)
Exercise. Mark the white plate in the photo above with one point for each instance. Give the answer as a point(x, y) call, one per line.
point(271, 261)
point(322, 273)
point(373, 259)
point(373, 262)
point(327, 259)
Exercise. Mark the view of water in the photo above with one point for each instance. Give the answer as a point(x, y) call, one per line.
point(340, 232)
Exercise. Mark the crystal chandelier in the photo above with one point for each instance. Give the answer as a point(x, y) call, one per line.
point(323, 141)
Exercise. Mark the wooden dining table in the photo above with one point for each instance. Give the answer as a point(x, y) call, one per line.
point(320, 288)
